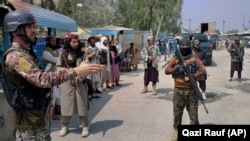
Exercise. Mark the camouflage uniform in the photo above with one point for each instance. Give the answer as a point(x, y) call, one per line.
point(22, 66)
point(184, 95)
point(33, 134)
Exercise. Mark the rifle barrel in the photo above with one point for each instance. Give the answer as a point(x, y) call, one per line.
point(192, 80)
point(237, 53)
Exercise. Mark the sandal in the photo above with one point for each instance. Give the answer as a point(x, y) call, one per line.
point(109, 87)
point(118, 84)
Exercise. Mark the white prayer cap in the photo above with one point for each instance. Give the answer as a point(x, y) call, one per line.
point(99, 35)
point(103, 39)
point(150, 37)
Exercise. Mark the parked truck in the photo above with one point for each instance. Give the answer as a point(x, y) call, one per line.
point(207, 27)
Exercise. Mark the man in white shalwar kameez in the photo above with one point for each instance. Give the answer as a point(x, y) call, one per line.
point(105, 60)
point(93, 57)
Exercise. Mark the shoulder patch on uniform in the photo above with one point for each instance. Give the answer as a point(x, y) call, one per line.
point(24, 65)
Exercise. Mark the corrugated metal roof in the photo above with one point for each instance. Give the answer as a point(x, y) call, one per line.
point(46, 18)
point(112, 30)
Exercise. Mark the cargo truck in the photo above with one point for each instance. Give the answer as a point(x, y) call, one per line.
point(207, 27)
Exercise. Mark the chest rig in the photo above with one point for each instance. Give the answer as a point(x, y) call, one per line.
point(23, 94)
point(190, 64)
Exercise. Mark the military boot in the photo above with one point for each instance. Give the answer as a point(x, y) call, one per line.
point(154, 90)
point(175, 135)
point(144, 90)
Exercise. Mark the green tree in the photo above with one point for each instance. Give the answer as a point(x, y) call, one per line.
point(3, 1)
point(89, 14)
point(155, 15)
point(65, 7)
point(123, 13)
point(167, 15)
point(150, 4)
point(29, 1)
point(48, 4)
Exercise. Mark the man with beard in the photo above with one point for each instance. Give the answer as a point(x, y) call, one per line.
point(105, 61)
point(151, 56)
point(74, 94)
point(127, 58)
point(21, 68)
point(237, 52)
point(93, 57)
point(134, 58)
point(59, 44)
point(51, 51)
point(50, 56)
point(184, 94)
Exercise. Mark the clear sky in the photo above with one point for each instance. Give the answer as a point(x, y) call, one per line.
point(233, 12)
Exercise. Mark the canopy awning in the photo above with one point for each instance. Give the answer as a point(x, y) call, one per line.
point(112, 30)
point(45, 17)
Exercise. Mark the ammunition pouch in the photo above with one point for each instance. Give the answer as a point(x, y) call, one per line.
point(30, 97)
point(233, 54)
point(179, 72)
point(193, 68)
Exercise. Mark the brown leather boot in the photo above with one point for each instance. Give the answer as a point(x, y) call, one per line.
point(144, 90)
point(175, 135)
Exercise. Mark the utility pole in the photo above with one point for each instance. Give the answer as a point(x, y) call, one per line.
point(223, 26)
point(243, 23)
point(189, 20)
point(249, 25)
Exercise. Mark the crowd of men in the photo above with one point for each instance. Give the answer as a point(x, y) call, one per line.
point(74, 75)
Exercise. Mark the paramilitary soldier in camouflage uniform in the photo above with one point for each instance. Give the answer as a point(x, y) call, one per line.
point(184, 95)
point(22, 70)
point(237, 52)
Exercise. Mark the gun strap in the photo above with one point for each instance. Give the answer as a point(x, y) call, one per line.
point(72, 81)
point(147, 48)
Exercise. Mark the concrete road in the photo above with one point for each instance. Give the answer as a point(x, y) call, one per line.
point(123, 114)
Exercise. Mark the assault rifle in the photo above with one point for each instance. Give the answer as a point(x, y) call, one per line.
point(49, 112)
point(164, 65)
point(154, 55)
point(237, 53)
point(191, 77)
